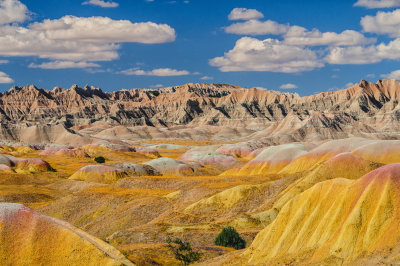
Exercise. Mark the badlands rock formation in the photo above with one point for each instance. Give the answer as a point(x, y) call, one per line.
point(99, 173)
point(335, 222)
point(29, 238)
point(197, 111)
point(304, 180)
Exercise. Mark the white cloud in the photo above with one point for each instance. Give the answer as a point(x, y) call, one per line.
point(349, 84)
point(156, 86)
point(296, 35)
point(96, 70)
point(79, 39)
point(18, 41)
point(63, 64)
point(256, 27)
point(101, 3)
point(244, 14)
point(206, 78)
point(378, 3)
point(294, 52)
point(364, 54)
point(353, 55)
point(392, 75)
point(3, 61)
point(4, 78)
point(250, 54)
point(12, 11)
point(300, 36)
point(160, 72)
point(383, 23)
point(288, 86)
point(104, 29)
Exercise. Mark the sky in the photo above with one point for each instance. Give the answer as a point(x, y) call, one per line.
point(303, 46)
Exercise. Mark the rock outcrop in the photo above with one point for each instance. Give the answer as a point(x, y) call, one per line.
point(85, 115)
point(30, 238)
point(339, 221)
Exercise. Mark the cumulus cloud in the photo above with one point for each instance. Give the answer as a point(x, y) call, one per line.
point(12, 11)
point(156, 86)
point(353, 55)
point(256, 27)
point(250, 54)
point(288, 86)
point(4, 78)
point(349, 84)
point(392, 75)
point(73, 38)
point(17, 41)
point(245, 14)
point(364, 54)
point(300, 36)
point(101, 3)
point(206, 78)
point(104, 29)
point(296, 35)
point(378, 3)
point(383, 23)
point(63, 64)
point(160, 72)
point(295, 53)
point(3, 61)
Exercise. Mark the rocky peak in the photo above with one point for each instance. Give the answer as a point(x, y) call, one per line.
point(57, 90)
point(363, 83)
point(90, 91)
point(192, 103)
point(14, 89)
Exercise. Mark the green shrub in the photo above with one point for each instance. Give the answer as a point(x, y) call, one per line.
point(183, 251)
point(155, 93)
point(100, 159)
point(229, 237)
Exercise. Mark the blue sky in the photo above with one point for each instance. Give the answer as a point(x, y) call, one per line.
point(303, 46)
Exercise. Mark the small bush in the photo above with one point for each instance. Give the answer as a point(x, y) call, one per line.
point(100, 159)
point(155, 93)
point(229, 237)
point(183, 251)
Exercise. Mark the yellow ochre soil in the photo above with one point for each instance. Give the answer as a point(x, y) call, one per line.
point(329, 205)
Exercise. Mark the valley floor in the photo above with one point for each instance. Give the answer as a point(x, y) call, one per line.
point(330, 202)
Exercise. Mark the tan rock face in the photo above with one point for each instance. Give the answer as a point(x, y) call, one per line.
point(363, 109)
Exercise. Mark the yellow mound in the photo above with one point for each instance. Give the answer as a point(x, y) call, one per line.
point(226, 199)
point(381, 151)
point(29, 238)
point(94, 150)
point(334, 222)
point(346, 165)
point(17, 150)
point(99, 173)
point(32, 166)
point(322, 153)
point(270, 161)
